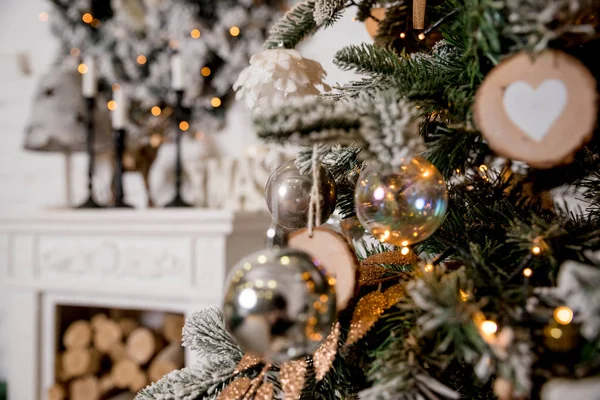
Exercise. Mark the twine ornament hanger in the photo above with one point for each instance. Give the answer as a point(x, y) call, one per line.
point(314, 210)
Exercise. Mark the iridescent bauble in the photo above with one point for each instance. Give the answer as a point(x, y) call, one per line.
point(288, 195)
point(279, 304)
point(352, 229)
point(401, 205)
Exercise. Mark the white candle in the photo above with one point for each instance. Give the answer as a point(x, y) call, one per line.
point(177, 72)
point(119, 115)
point(89, 84)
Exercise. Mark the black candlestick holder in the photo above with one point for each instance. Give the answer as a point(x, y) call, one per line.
point(90, 103)
point(179, 118)
point(119, 136)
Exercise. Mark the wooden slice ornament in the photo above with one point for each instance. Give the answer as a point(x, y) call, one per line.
point(335, 255)
point(372, 25)
point(539, 109)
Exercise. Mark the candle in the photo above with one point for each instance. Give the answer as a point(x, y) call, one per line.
point(177, 72)
point(119, 115)
point(89, 84)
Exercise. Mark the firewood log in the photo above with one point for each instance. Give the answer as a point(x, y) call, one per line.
point(123, 396)
point(124, 372)
point(139, 381)
point(97, 320)
point(85, 388)
point(173, 327)
point(78, 362)
point(142, 344)
point(77, 335)
point(117, 352)
point(106, 384)
point(170, 358)
point(106, 334)
point(127, 325)
point(57, 392)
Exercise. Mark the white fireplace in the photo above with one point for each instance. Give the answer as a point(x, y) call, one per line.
point(161, 260)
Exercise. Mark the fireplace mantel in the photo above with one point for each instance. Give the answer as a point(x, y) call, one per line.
point(171, 260)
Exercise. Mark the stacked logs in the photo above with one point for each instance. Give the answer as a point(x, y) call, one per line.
point(114, 358)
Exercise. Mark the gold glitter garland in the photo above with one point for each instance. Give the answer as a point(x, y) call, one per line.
point(393, 294)
point(369, 275)
point(236, 389)
point(325, 354)
point(394, 257)
point(367, 312)
point(264, 392)
point(292, 375)
point(248, 361)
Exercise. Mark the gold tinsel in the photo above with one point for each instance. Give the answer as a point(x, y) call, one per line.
point(393, 294)
point(236, 389)
point(292, 376)
point(248, 361)
point(374, 274)
point(264, 392)
point(367, 312)
point(325, 354)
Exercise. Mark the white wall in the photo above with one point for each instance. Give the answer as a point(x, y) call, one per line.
point(30, 181)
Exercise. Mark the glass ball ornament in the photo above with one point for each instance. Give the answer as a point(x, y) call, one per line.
point(288, 195)
point(279, 304)
point(401, 205)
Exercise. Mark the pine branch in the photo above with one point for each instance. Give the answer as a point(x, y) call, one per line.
point(368, 59)
point(296, 24)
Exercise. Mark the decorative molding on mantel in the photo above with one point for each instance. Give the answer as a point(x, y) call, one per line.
point(174, 259)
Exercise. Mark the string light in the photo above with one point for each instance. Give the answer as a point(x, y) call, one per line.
point(428, 267)
point(464, 296)
point(353, 19)
point(405, 251)
point(141, 59)
point(156, 111)
point(527, 272)
point(402, 35)
point(199, 136)
point(483, 168)
point(536, 250)
point(489, 327)
point(112, 105)
point(95, 23)
point(43, 16)
point(184, 126)
point(421, 36)
point(87, 18)
point(563, 315)
point(234, 31)
point(115, 87)
point(82, 68)
point(556, 333)
point(404, 242)
point(195, 33)
point(173, 44)
point(155, 140)
point(215, 102)
point(75, 52)
point(205, 71)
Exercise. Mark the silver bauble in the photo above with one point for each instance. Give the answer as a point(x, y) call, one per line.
point(401, 205)
point(279, 304)
point(288, 195)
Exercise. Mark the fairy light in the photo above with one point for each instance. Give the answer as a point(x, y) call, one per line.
point(354, 19)
point(536, 250)
point(173, 44)
point(563, 315)
point(404, 242)
point(43, 16)
point(115, 87)
point(184, 126)
point(82, 68)
point(489, 328)
point(556, 333)
point(75, 52)
point(402, 35)
point(234, 31)
point(155, 140)
point(428, 267)
point(205, 71)
point(155, 111)
point(527, 272)
point(87, 18)
point(195, 33)
point(141, 59)
point(421, 36)
point(405, 251)
point(95, 23)
point(111, 105)
point(199, 135)
point(464, 296)
point(215, 102)
point(483, 168)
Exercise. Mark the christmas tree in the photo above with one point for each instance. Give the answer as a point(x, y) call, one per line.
point(474, 121)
